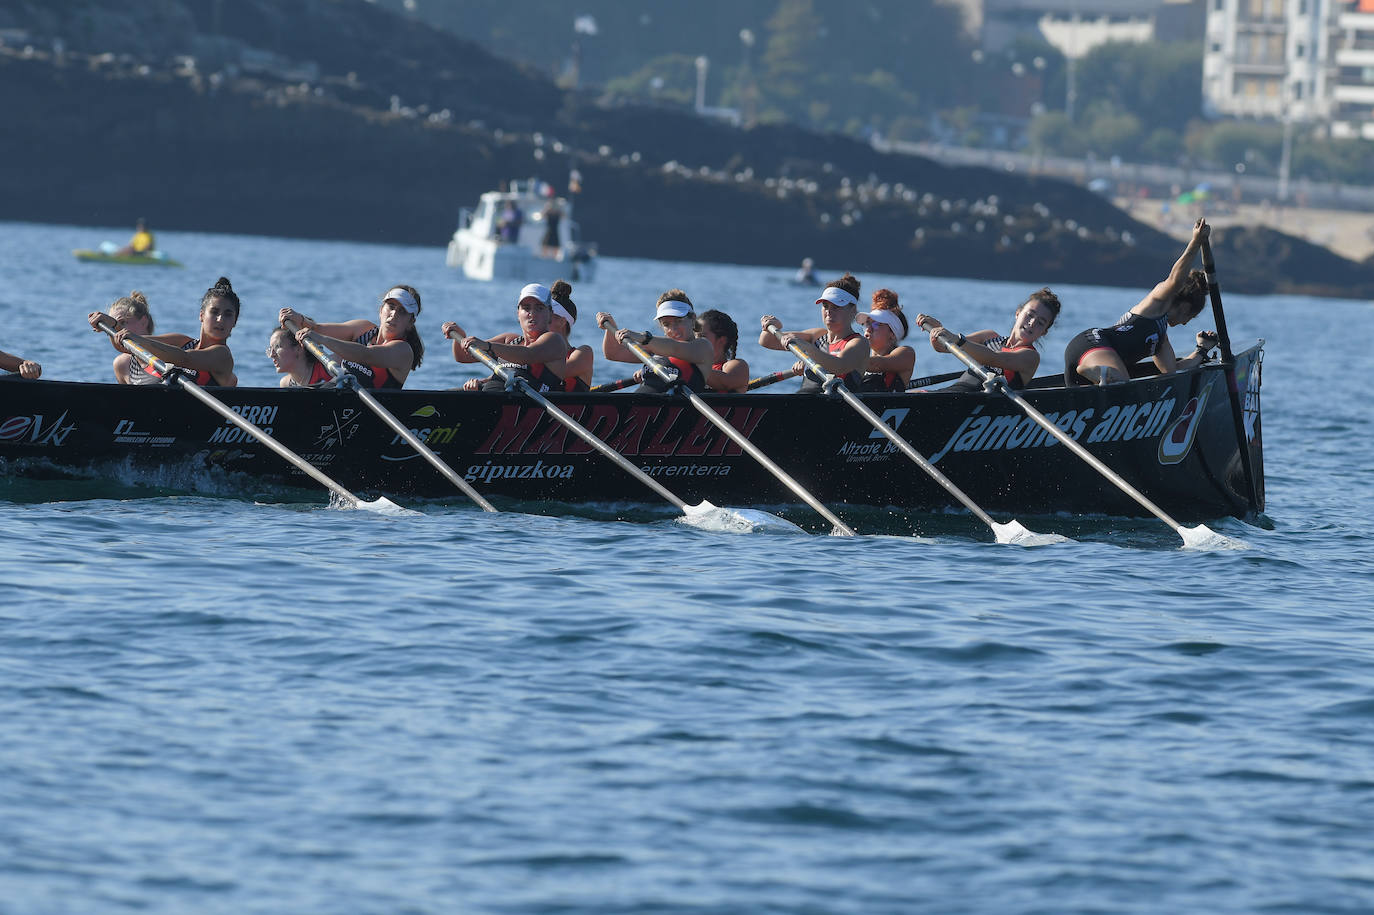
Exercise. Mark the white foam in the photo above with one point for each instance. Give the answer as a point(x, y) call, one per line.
point(708, 517)
point(1203, 537)
point(1016, 533)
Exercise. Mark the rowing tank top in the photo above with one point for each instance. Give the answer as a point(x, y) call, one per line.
point(812, 384)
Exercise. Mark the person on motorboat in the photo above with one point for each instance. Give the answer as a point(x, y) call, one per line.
point(378, 355)
point(537, 354)
point(806, 273)
point(25, 368)
point(836, 347)
point(132, 312)
point(728, 374)
point(551, 245)
point(890, 364)
point(1013, 355)
point(298, 368)
point(1103, 355)
point(577, 376)
point(206, 358)
point(141, 243)
point(509, 222)
point(678, 347)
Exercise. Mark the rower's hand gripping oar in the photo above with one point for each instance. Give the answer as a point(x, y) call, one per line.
point(173, 376)
point(1010, 532)
point(343, 379)
point(513, 380)
point(996, 383)
point(670, 377)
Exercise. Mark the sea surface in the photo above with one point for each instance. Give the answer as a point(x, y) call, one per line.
point(215, 705)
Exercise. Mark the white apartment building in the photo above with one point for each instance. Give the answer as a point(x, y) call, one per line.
point(1311, 61)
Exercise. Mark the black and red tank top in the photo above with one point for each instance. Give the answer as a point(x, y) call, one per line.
point(370, 376)
point(690, 376)
point(538, 376)
point(812, 384)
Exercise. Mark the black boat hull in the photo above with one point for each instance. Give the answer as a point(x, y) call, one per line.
point(1172, 437)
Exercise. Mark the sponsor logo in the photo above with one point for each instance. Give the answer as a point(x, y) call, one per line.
point(229, 433)
point(343, 428)
point(485, 473)
point(1177, 439)
point(126, 434)
point(434, 437)
point(1248, 380)
point(1013, 431)
point(868, 450)
point(641, 431)
point(32, 430)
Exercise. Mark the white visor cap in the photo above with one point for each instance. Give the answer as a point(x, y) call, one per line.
point(535, 291)
point(673, 308)
point(883, 316)
point(403, 298)
point(837, 296)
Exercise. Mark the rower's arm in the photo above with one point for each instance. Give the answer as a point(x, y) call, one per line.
point(1023, 362)
point(733, 376)
point(395, 356)
point(614, 350)
point(901, 360)
point(580, 363)
point(697, 351)
point(1165, 359)
point(548, 348)
point(347, 330)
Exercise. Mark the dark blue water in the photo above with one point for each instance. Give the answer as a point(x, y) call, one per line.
point(212, 705)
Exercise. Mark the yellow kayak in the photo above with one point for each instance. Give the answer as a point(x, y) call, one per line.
point(156, 259)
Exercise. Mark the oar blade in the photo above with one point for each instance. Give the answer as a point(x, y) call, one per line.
point(708, 517)
point(1203, 537)
point(1015, 532)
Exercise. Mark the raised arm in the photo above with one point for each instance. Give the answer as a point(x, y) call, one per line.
point(1157, 302)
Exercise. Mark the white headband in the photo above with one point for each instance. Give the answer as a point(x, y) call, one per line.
point(534, 291)
point(883, 316)
point(837, 296)
point(562, 312)
point(403, 298)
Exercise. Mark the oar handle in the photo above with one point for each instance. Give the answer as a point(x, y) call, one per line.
point(991, 381)
point(331, 365)
point(668, 376)
point(801, 354)
point(138, 352)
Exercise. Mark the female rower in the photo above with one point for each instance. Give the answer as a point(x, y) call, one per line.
point(380, 355)
point(890, 365)
point(293, 361)
point(1103, 355)
point(208, 356)
point(835, 347)
point(1014, 355)
point(578, 374)
point(536, 354)
point(728, 373)
point(26, 368)
point(679, 347)
point(131, 311)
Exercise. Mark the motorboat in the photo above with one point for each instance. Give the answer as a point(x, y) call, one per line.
point(503, 237)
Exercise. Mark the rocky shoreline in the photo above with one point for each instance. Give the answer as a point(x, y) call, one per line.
point(94, 140)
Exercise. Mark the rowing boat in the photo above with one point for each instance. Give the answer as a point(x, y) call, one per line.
point(1171, 436)
point(156, 259)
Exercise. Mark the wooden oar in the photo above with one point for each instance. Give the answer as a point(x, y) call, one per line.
point(692, 512)
point(611, 385)
point(173, 376)
point(344, 379)
point(764, 380)
point(1005, 533)
point(928, 380)
point(1228, 362)
point(702, 407)
point(998, 383)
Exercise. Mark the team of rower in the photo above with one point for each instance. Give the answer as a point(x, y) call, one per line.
point(701, 349)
